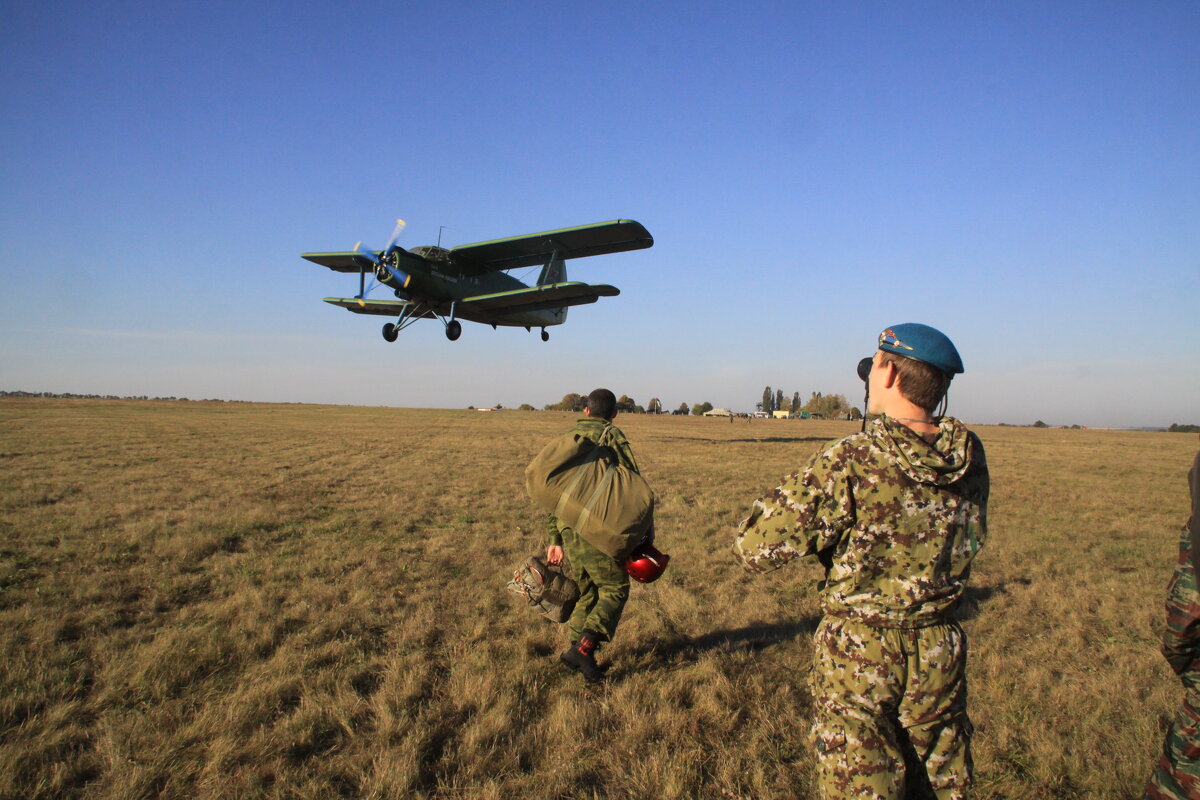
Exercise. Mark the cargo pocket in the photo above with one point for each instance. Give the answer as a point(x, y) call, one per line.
point(828, 738)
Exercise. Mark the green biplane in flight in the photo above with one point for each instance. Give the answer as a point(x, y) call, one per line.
point(469, 282)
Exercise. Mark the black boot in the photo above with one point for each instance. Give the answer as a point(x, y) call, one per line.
point(581, 656)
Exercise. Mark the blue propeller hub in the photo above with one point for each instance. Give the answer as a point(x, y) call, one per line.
point(401, 277)
point(379, 265)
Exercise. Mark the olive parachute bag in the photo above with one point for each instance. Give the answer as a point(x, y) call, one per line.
point(610, 505)
point(551, 593)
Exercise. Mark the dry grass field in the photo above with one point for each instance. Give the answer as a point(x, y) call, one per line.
point(259, 601)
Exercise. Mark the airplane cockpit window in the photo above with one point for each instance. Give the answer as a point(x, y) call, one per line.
point(439, 254)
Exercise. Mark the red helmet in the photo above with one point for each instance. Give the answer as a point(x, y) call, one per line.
point(645, 563)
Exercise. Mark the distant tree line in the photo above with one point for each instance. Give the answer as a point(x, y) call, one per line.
point(829, 406)
point(73, 396)
point(1177, 428)
point(577, 402)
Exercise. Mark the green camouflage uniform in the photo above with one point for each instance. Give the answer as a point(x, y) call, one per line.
point(896, 523)
point(603, 583)
point(1177, 776)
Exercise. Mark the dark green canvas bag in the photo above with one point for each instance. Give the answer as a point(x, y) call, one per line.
point(583, 485)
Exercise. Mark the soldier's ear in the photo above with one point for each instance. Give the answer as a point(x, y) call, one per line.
point(891, 375)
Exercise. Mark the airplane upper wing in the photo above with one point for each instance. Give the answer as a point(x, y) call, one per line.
point(551, 295)
point(338, 262)
point(535, 248)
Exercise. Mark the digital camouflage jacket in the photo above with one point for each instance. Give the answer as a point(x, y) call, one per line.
point(1177, 774)
point(602, 432)
point(1181, 635)
point(894, 520)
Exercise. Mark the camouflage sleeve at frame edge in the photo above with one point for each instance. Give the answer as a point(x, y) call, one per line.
point(1181, 634)
point(807, 513)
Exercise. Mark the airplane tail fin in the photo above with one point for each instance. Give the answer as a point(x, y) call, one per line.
point(555, 271)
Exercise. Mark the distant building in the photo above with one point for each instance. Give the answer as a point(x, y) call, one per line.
point(719, 412)
point(781, 414)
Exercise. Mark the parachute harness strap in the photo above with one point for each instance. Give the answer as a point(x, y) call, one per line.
point(521, 584)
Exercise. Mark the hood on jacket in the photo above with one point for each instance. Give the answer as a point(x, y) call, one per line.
point(942, 463)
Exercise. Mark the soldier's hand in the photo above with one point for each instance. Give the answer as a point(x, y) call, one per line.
point(554, 554)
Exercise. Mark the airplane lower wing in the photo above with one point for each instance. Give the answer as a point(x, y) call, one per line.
point(551, 295)
point(386, 308)
point(518, 307)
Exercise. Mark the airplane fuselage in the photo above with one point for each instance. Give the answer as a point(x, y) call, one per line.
point(433, 276)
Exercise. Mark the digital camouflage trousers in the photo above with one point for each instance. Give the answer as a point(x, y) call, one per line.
point(891, 711)
point(603, 588)
point(1177, 775)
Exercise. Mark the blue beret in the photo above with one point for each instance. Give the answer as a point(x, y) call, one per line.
point(923, 343)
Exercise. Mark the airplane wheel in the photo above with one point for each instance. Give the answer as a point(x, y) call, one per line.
point(453, 330)
point(389, 332)
point(545, 336)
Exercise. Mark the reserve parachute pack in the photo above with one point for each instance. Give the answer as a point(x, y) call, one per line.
point(551, 593)
point(583, 484)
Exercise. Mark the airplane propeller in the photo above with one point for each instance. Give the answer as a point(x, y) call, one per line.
point(367, 258)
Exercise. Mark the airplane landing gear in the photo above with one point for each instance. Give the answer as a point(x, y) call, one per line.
point(453, 330)
point(390, 332)
point(545, 335)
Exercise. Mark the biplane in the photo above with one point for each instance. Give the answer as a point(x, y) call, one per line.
point(470, 282)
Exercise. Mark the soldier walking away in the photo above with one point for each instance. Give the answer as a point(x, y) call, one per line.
point(603, 582)
point(895, 514)
point(1177, 776)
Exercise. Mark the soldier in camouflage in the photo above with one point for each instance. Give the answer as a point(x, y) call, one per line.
point(1177, 776)
point(603, 583)
point(896, 515)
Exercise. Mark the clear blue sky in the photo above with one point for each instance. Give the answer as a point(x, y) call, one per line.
point(1023, 175)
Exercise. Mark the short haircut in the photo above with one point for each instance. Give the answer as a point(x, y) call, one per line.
point(920, 383)
point(602, 403)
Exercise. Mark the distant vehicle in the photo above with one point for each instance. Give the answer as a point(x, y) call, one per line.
point(468, 282)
